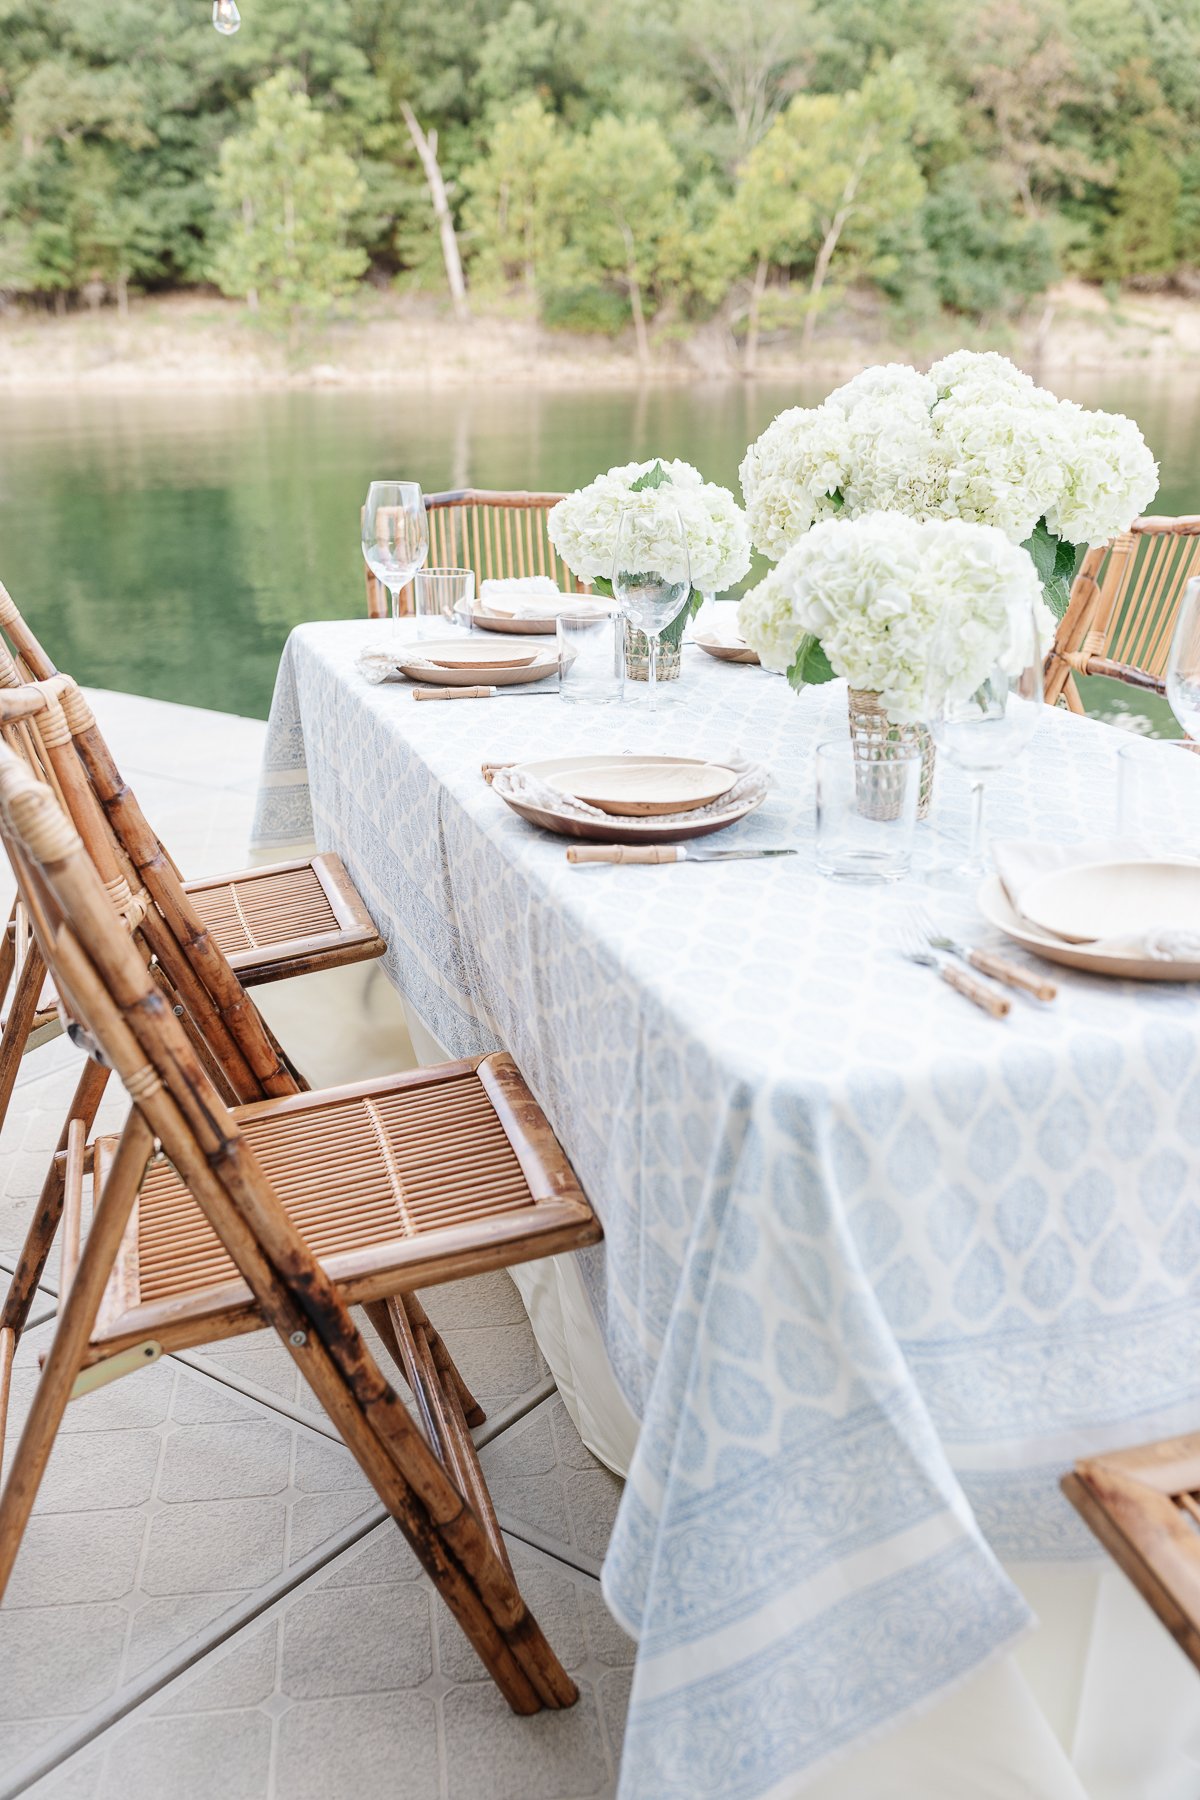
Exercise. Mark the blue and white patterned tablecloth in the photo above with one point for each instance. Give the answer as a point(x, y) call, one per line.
point(876, 1268)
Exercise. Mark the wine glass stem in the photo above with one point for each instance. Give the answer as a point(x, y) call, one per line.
point(652, 667)
point(975, 848)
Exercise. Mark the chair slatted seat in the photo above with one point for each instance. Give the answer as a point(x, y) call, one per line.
point(372, 1176)
point(494, 533)
point(1124, 604)
point(1144, 1507)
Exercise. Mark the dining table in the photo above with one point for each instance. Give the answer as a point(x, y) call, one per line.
point(877, 1266)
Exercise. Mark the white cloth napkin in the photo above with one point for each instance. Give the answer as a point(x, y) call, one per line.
point(751, 785)
point(1020, 862)
point(536, 597)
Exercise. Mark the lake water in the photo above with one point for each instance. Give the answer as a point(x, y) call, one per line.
point(166, 544)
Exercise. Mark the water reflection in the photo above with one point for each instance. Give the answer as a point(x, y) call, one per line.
point(165, 544)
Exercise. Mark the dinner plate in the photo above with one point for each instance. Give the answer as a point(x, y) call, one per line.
point(508, 622)
point(633, 787)
point(480, 659)
point(999, 911)
point(1114, 899)
point(616, 830)
point(723, 650)
point(416, 664)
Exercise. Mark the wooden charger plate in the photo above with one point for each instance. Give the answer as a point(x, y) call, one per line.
point(637, 788)
point(422, 662)
point(724, 651)
point(617, 830)
point(999, 911)
point(505, 622)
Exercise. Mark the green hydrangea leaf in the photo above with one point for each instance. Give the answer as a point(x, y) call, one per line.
point(653, 478)
point(1057, 563)
point(810, 666)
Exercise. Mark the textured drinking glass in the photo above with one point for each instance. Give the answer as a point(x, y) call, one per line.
point(651, 575)
point(866, 811)
point(1158, 795)
point(591, 658)
point(988, 727)
point(1183, 664)
point(443, 599)
point(395, 535)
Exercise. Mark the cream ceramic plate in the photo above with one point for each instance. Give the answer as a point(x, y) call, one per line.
point(616, 830)
point(416, 664)
point(1115, 899)
point(637, 789)
point(998, 910)
point(723, 650)
point(460, 653)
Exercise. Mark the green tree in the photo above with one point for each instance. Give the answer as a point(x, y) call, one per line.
point(833, 175)
point(617, 194)
point(516, 227)
point(285, 199)
point(1141, 238)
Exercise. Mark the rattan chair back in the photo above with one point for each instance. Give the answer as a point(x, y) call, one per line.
point(1124, 604)
point(497, 535)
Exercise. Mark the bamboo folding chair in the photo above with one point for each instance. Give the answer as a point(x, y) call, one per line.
point(495, 534)
point(210, 1219)
point(1144, 1506)
point(1124, 603)
point(273, 922)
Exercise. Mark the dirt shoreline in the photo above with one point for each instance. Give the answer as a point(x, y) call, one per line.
point(189, 342)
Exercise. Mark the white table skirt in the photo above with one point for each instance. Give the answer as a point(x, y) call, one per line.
point(699, 1033)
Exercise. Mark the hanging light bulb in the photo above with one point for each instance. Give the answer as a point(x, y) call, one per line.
point(226, 17)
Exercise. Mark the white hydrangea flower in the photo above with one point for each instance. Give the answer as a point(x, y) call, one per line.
point(895, 462)
point(898, 383)
point(583, 526)
point(966, 369)
point(975, 440)
point(767, 620)
point(1110, 477)
point(789, 475)
point(1006, 463)
point(885, 594)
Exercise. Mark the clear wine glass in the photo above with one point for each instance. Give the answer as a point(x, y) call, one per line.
point(651, 576)
point(1183, 663)
point(982, 720)
point(395, 535)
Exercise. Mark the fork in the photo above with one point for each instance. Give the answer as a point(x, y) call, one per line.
point(913, 944)
point(986, 961)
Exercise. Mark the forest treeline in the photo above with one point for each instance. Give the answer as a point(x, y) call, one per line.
point(600, 163)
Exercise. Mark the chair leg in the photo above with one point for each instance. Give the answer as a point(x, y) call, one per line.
point(402, 1324)
point(68, 1347)
point(8, 951)
point(19, 1023)
point(39, 1237)
point(472, 1410)
point(1071, 691)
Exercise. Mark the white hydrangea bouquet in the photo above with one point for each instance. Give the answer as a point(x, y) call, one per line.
point(583, 529)
point(974, 440)
point(864, 598)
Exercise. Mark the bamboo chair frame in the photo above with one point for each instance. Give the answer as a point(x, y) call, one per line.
point(1123, 607)
point(494, 533)
point(273, 922)
point(1144, 1507)
point(238, 1167)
